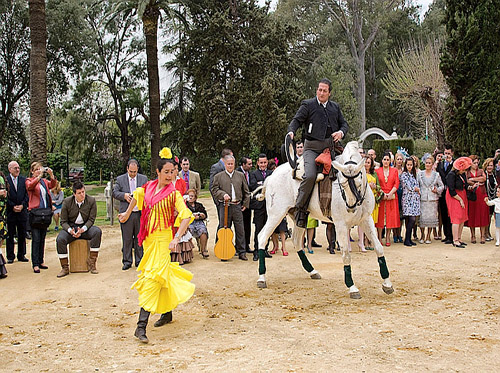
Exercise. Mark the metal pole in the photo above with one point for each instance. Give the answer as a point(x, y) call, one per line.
point(112, 217)
point(67, 168)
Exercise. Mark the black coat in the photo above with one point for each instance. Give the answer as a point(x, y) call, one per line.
point(19, 197)
point(316, 119)
point(455, 182)
point(444, 172)
point(256, 180)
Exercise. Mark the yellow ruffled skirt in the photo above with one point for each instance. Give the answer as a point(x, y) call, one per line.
point(375, 214)
point(162, 285)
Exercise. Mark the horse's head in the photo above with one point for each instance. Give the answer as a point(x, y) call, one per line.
point(352, 178)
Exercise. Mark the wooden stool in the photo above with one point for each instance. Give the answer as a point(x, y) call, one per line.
point(78, 254)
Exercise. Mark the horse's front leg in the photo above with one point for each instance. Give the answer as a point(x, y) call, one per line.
point(371, 232)
point(343, 238)
point(298, 243)
point(272, 222)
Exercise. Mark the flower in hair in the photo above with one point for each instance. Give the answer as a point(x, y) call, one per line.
point(166, 153)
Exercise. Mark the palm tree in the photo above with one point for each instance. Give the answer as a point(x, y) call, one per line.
point(149, 12)
point(38, 80)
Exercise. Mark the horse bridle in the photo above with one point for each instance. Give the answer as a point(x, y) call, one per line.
point(352, 187)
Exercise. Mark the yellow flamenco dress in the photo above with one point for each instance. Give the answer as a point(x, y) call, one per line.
point(162, 284)
point(372, 178)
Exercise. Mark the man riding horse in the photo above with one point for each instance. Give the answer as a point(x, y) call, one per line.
point(324, 126)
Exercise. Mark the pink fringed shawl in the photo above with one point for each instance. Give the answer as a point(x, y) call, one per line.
point(158, 211)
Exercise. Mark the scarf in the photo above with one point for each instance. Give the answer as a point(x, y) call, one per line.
point(158, 209)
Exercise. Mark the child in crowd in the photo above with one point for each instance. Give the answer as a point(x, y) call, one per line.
point(496, 202)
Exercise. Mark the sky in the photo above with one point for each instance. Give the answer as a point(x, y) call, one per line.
point(165, 77)
point(423, 3)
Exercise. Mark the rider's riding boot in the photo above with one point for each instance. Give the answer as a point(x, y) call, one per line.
point(301, 218)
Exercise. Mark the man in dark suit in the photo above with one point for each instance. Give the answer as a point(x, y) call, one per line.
point(78, 215)
point(230, 186)
point(324, 125)
point(257, 178)
point(17, 213)
point(245, 168)
point(192, 178)
point(122, 191)
point(443, 168)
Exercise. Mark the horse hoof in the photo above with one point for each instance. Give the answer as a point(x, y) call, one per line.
point(388, 290)
point(261, 284)
point(355, 295)
point(316, 276)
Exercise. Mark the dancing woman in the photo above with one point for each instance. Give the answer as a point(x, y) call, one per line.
point(162, 285)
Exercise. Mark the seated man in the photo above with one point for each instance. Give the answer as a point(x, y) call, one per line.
point(77, 221)
point(324, 125)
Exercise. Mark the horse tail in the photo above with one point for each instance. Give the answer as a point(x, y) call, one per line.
point(259, 196)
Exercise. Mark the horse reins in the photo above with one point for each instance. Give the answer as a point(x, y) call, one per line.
point(352, 187)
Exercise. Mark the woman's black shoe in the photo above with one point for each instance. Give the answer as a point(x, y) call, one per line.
point(43, 266)
point(164, 319)
point(460, 246)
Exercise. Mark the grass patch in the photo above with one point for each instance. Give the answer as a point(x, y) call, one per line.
point(96, 191)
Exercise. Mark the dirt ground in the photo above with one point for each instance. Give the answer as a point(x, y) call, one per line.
point(443, 315)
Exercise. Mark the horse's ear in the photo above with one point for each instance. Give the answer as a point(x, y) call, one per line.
point(360, 165)
point(338, 166)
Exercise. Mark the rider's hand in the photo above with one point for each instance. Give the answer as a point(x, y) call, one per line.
point(337, 136)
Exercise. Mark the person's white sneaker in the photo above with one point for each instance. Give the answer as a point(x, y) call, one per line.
point(497, 243)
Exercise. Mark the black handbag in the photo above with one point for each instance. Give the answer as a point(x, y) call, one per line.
point(471, 195)
point(41, 218)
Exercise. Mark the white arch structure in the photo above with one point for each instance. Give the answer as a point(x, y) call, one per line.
point(376, 131)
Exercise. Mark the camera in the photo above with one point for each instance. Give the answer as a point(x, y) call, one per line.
point(44, 169)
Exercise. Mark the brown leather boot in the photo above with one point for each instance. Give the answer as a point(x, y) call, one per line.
point(91, 262)
point(64, 266)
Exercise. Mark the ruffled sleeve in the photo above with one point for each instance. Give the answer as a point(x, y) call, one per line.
point(182, 210)
point(139, 197)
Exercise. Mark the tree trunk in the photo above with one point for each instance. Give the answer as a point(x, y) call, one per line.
point(38, 81)
point(150, 24)
point(123, 125)
point(125, 145)
point(361, 90)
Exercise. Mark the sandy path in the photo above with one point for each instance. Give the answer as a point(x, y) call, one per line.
point(443, 316)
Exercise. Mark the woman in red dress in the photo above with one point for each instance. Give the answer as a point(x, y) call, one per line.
point(388, 213)
point(456, 198)
point(478, 209)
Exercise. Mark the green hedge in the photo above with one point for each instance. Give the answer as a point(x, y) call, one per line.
point(381, 146)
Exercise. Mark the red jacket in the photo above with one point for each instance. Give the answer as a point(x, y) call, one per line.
point(33, 188)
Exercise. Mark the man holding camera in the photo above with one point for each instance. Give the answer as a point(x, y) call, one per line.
point(77, 221)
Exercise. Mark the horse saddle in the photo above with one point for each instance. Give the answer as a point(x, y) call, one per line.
point(323, 161)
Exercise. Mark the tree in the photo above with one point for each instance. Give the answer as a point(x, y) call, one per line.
point(416, 82)
point(361, 21)
point(238, 60)
point(38, 81)
point(470, 61)
point(14, 68)
point(115, 60)
point(149, 12)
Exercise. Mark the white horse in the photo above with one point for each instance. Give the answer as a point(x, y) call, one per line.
point(352, 205)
